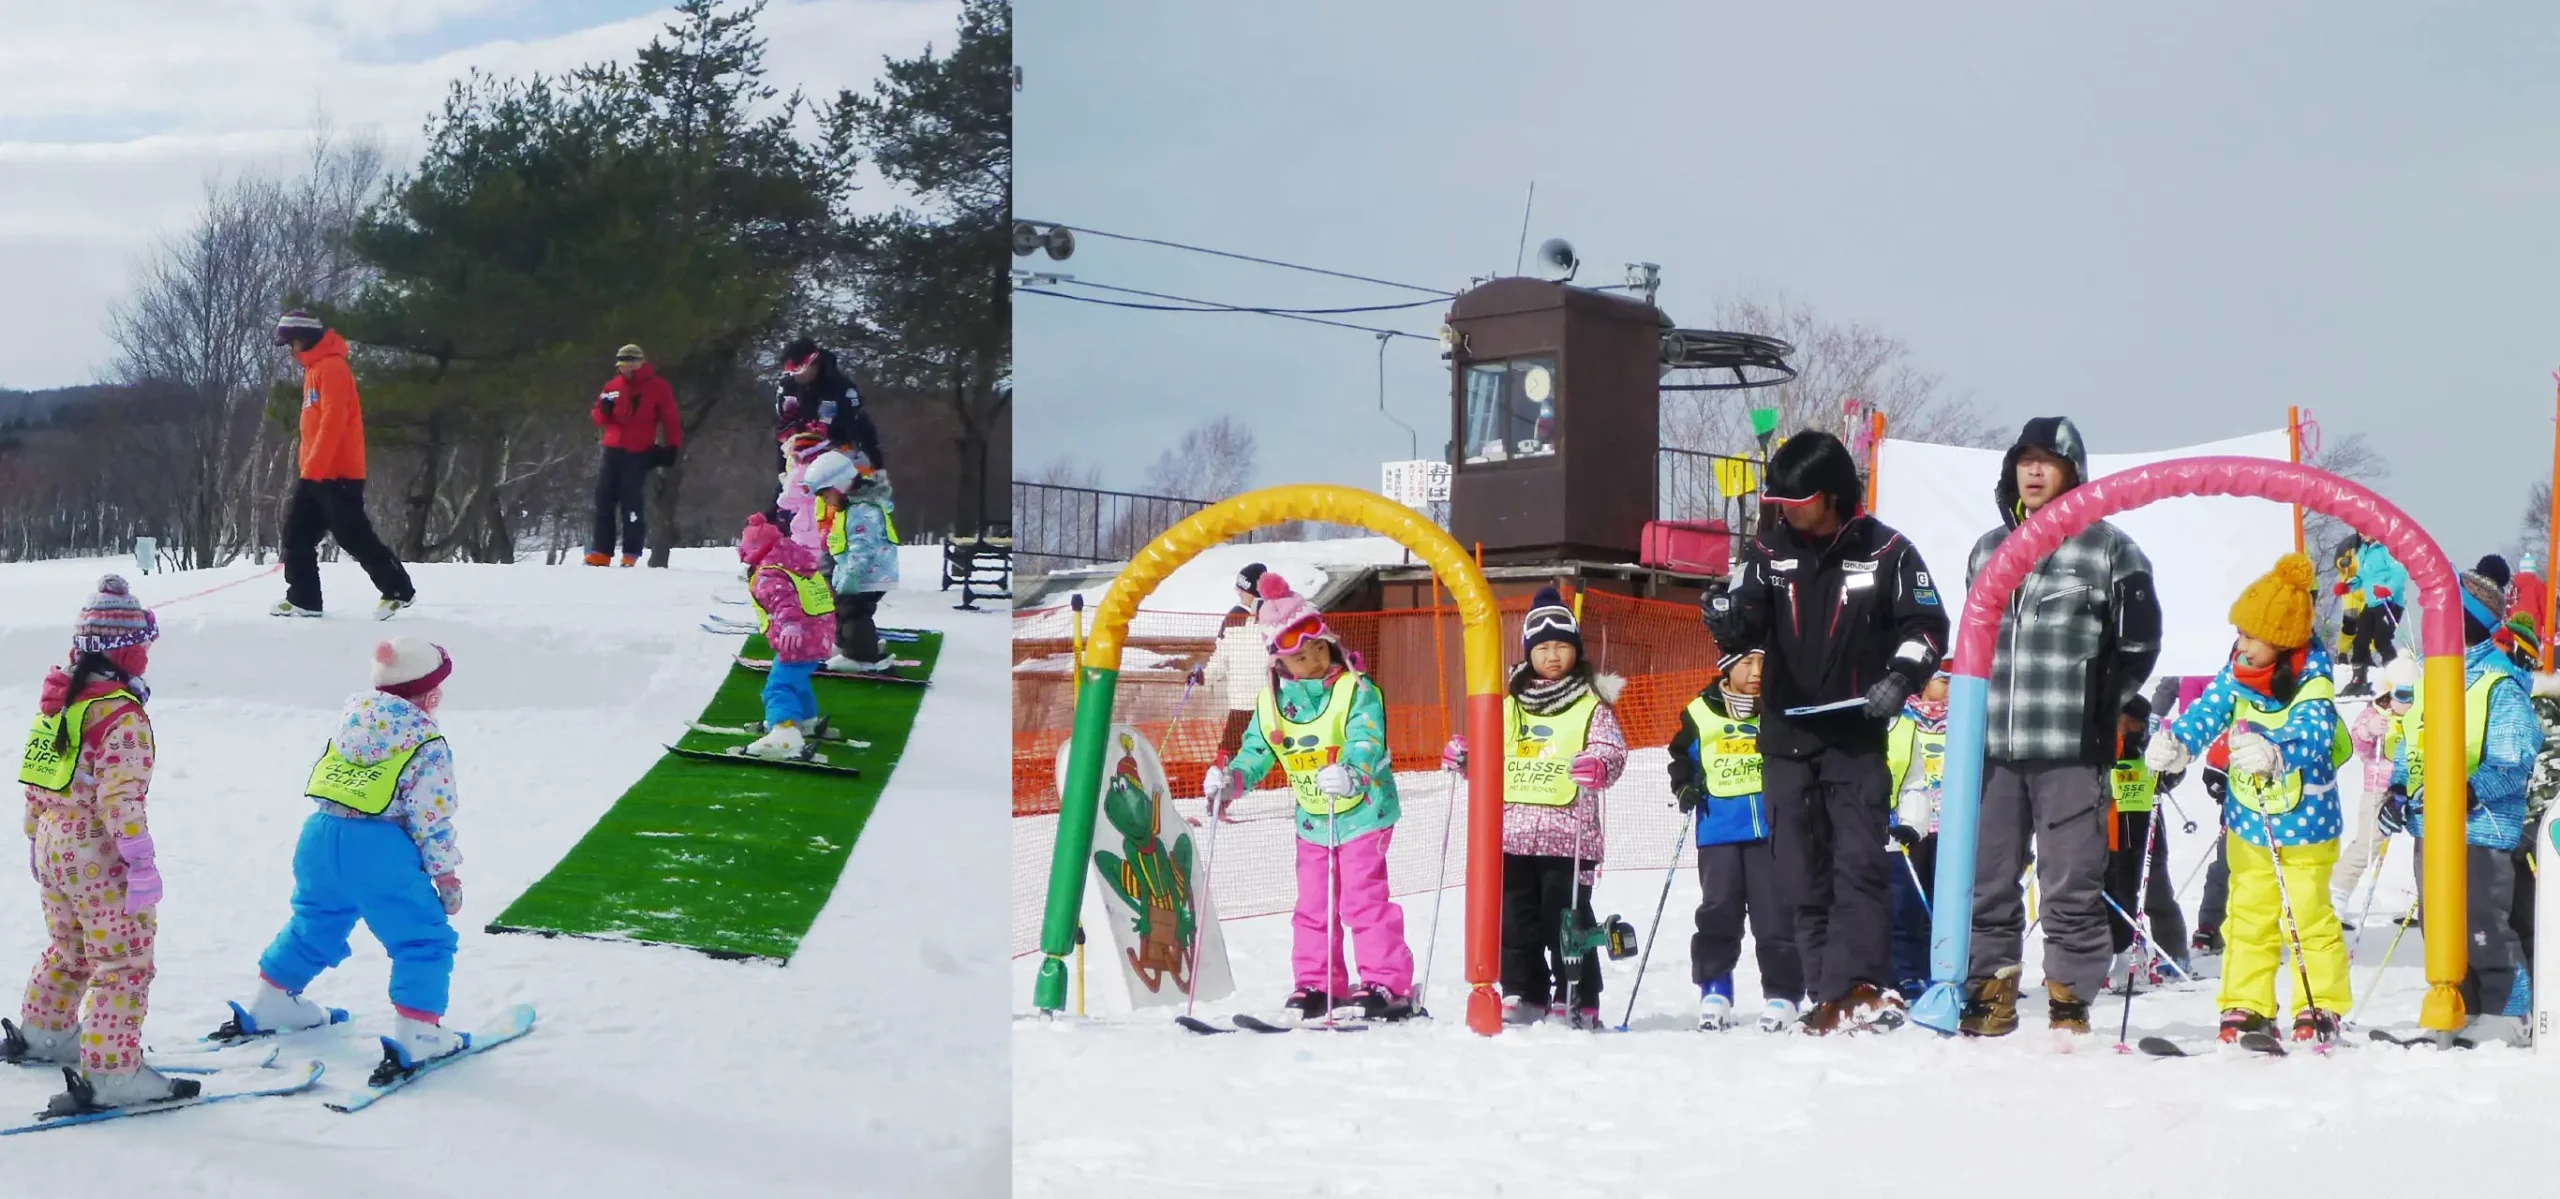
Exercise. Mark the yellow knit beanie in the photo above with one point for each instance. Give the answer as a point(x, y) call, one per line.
point(2277, 608)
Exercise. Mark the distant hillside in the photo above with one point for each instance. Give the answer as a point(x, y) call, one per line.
point(39, 407)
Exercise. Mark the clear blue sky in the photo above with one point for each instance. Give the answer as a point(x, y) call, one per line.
point(2167, 221)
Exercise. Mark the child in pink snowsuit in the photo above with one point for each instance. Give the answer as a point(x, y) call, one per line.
point(796, 611)
point(87, 772)
point(800, 449)
point(1324, 723)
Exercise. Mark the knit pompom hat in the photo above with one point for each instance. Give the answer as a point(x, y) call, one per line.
point(408, 668)
point(2276, 608)
point(756, 541)
point(1549, 619)
point(113, 620)
point(2482, 600)
point(1283, 609)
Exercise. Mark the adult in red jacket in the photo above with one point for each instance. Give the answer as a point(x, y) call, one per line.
point(635, 409)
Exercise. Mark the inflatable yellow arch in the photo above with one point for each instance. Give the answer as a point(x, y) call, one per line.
point(1098, 674)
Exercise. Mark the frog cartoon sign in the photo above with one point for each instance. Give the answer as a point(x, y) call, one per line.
point(1163, 929)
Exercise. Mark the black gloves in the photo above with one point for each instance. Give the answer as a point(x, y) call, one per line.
point(1724, 622)
point(2393, 817)
point(1903, 835)
point(1684, 783)
point(1884, 700)
point(1688, 795)
point(664, 455)
point(2217, 784)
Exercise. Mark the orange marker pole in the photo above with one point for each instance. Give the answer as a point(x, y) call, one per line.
point(2293, 450)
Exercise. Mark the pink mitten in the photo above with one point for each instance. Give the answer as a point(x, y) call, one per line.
point(141, 876)
point(1589, 772)
point(449, 892)
point(1453, 756)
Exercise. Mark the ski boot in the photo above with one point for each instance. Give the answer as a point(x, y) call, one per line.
point(415, 1043)
point(2356, 684)
point(274, 1011)
point(2065, 1011)
point(1779, 1015)
point(1587, 1018)
point(2504, 1030)
point(840, 664)
point(782, 741)
point(390, 607)
point(630, 560)
point(1308, 1003)
point(2312, 1024)
point(596, 559)
point(61, 1046)
point(1715, 1005)
point(2115, 980)
point(2236, 1021)
point(1376, 1003)
point(1991, 1005)
point(289, 608)
point(85, 1092)
point(1870, 1008)
point(1517, 1013)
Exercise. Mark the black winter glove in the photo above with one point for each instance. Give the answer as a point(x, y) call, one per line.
point(1688, 795)
point(1884, 700)
point(1724, 623)
point(1683, 772)
point(2217, 784)
point(2393, 817)
point(664, 455)
point(1903, 835)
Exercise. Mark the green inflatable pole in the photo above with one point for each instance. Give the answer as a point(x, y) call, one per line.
point(1076, 808)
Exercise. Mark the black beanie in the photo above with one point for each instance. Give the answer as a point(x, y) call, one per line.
point(1549, 620)
point(2494, 568)
point(1250, 578)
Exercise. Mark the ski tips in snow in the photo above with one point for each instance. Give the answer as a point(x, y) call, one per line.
point(216, 1088)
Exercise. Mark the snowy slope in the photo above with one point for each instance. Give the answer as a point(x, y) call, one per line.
point(872, 1064)
point(1130, 1103)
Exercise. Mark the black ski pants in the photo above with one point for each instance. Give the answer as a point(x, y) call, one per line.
point(2158, 901)
point(335, 508)
point(1827, 815)
point(1739, 883)
point(622, 501)
point(2490, 987)
point(1535, 891)
point(857, 632)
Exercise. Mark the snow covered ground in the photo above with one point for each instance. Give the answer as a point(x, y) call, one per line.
point(1133, 1104)
point(875, 1063)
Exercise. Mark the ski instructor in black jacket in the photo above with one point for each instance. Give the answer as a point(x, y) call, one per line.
point(1851, 625)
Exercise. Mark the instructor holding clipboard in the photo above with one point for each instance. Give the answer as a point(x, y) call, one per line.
point(1851, 626)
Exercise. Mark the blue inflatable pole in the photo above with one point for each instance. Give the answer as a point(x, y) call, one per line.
point(1959, 819)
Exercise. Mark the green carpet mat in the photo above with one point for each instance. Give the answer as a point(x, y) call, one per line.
point(734, 860)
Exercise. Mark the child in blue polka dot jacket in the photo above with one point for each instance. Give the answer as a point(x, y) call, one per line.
point(2283, 819)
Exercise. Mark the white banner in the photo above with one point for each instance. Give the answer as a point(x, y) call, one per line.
point(1147, 867)
point(1417, 484)
point(2203, 549)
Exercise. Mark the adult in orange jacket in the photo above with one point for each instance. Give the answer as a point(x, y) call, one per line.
point(329, 496)
point(635, 409)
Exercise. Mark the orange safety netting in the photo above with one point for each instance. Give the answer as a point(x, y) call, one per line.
point(1660, 649)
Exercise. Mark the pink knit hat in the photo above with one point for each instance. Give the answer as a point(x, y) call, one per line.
point(756, 541)
point(1284, 610)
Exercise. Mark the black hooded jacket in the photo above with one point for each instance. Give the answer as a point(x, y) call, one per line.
point(832, 400)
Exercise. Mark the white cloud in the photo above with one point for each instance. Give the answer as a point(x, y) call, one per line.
point(113, 116)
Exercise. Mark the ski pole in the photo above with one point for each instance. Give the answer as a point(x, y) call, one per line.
point(1571, 964)
point(2141, 903)
point(2372, 888)
point(2284, 906)
point(1914, 869)
point(2385, 964)
point(1199, 904)
point(1656, 930)
point(2187, 821)
point(1332, 889)
point(1439, 887)
point(2149, 945)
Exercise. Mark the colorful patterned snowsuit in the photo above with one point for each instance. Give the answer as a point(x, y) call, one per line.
point(96, 970)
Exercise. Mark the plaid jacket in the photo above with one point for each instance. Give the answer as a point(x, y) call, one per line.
point(2079, 638)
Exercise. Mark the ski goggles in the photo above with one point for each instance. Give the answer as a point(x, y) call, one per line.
point(1548, 620)
point(1290, 640)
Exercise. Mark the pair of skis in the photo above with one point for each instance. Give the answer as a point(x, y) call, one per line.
point(222, 1081)
point(808, 759)
point(2263, 1044)
point(1252, 1023)
point(762, 665)
point(716, 623)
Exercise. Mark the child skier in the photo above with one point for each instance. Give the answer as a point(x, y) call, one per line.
point(861, 544)
point(2283, 816)
point(379, 848)
point(1561, 748)
point(2138, 859)
point(2374, 734)
point(1324, 723)
point(1715, 773)
point(1915, 750)
point(2503, 738)
point(87, 772)
point(794, 611)
point(797, 502)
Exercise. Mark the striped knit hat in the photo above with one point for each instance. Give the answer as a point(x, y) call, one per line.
point(113, 620)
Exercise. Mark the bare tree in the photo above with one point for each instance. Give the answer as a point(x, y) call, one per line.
point(1212, 461)
point(199, 320)
point(1834, 362)
point(2350, 457)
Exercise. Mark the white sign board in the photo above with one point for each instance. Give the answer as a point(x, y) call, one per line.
point(1164, 930)
point(1415, 484)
